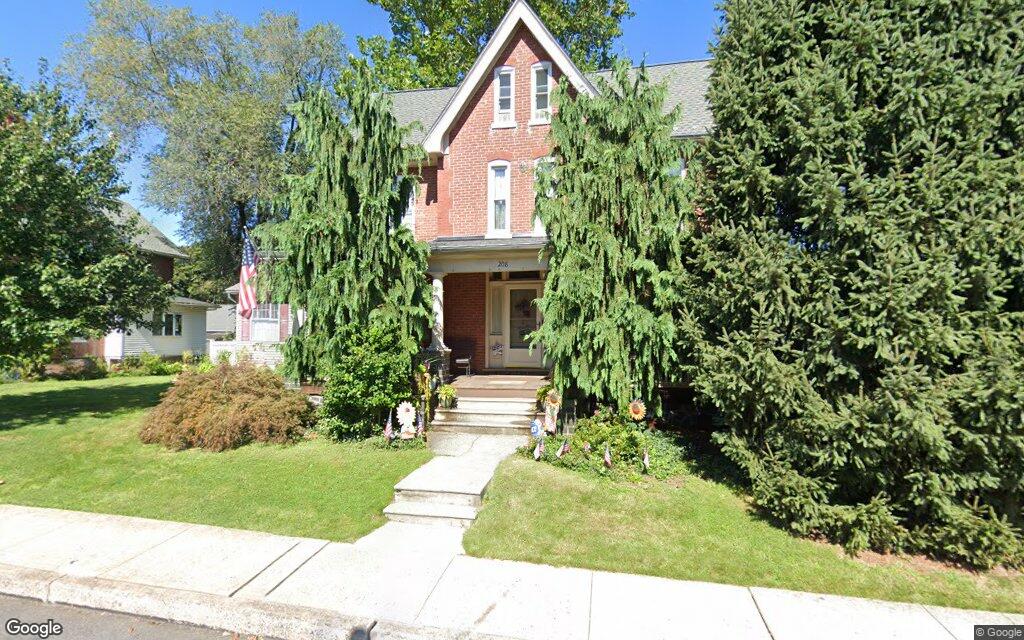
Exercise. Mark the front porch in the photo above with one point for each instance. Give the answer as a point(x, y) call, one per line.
point(485, 293)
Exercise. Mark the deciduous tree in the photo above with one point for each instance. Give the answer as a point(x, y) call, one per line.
point(433, 44)
point(213, 92)
point(67, 268)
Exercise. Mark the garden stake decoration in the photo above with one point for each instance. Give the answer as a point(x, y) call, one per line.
point(389, 431)
point(564, 449)
point(637, 410)
point(607, 457)
point(535, 428)
point(538, 451)
point(552, 402)
point(647, 461)
point(406, 418)
point(419, 424)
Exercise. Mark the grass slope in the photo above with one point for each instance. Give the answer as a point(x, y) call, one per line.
point(75, 445)
point(695, 529)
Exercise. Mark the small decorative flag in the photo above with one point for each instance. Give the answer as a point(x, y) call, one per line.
point(647, 461)
point(564, 449)
point(535, 428)
point(586, 447)
point(538, 451)
point(389, 431)
point(419, 423)
point(607, 457)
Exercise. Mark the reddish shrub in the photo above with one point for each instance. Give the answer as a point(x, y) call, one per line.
point(227, 407)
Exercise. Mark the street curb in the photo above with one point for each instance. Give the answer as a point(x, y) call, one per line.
point(241, 615)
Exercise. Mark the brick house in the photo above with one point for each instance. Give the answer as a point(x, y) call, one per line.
point(181, 327)
point(474, 205)
point(484, 140)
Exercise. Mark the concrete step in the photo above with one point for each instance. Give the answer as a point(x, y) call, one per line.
point(439, 497)
point(469, 416)
point(496, 405)
point(431, 513)
point(480, 428)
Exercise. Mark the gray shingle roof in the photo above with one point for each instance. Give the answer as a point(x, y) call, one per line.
point(687, 84)
point(149, 238)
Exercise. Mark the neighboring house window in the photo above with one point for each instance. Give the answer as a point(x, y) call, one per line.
point(265, 325)
point(542, 165)
point(541, 93)
point(504, 97)
point(498, 214)
point(267, 312)
point(171, 325)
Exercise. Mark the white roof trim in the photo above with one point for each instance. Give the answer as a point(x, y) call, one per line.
point(518, 12)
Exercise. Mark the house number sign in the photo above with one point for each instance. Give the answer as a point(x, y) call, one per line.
point(502, 264)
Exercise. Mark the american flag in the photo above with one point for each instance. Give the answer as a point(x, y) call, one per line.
point(246, 293)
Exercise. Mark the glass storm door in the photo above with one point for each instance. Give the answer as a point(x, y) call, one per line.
point(523, 319)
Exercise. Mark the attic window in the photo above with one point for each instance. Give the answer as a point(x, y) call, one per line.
point(541, 93)
point(504, 97)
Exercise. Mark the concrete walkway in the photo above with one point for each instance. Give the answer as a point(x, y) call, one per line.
point(407, 581)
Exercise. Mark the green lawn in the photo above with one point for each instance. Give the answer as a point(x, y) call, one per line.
point(75, 445)
point(695, 529)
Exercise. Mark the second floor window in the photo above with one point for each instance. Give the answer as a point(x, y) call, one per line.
point(541, 93)
point(498, 199)
point(504, 97)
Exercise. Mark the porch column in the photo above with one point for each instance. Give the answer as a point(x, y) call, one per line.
point(437, 335)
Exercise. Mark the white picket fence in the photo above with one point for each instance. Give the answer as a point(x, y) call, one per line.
point(264, 353)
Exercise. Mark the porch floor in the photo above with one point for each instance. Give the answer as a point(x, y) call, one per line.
point(499, 386)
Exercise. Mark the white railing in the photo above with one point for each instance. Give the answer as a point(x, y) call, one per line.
point(264, 353)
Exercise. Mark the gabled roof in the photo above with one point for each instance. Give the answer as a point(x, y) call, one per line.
point(519, 13)
point(148, 238)
point(687, 84)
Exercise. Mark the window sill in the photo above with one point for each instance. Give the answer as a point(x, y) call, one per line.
point(504, 125)
point(498, 234)
point(537, 122)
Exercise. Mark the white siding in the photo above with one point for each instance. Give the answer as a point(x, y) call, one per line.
point(192, 338)
point(264, 353)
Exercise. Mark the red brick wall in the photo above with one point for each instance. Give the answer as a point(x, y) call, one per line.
point(464, 308)
point(452, 199)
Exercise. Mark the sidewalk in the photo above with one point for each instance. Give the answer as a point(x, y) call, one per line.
point(407, 581)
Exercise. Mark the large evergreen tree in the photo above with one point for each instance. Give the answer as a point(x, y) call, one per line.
point(856, 307)
point(343, 255)
point(614, 208)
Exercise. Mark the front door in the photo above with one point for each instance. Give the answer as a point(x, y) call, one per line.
point(523, 319)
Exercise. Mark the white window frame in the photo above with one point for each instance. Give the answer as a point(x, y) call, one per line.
point(492, 232)
point(540, 117)
point(504, 119)
point(176, 322)
point(274, 308)
point(538, 226)
point(409, 215)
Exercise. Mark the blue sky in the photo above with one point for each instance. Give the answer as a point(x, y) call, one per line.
point(662, 30)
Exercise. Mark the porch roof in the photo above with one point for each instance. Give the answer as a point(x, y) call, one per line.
point(480, 243)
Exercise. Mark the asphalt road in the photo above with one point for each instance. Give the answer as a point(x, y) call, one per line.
point(90, 624)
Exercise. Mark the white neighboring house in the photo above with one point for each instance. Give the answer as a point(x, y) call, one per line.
point(258, 337)
point(181, 327)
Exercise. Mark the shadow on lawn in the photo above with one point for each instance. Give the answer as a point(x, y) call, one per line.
point(62, 405)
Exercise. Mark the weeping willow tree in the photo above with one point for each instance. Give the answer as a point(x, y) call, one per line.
point(342, 254)
point(614, 208)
